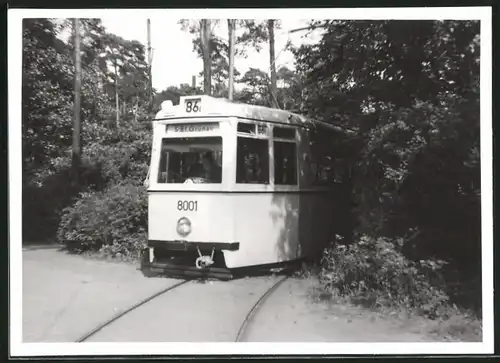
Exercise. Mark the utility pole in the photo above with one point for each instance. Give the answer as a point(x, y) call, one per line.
point(150, 63)
point(272, 60)
point(230, 26)
point(76, 152)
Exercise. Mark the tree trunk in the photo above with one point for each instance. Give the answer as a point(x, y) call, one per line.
point(207, 63)
point(136, 108)
point(150, 66)
point(272, 61)
point(76, 154)
point(117, 101)
point(230, 26)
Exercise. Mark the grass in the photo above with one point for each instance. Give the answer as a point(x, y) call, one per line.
point(458, 325)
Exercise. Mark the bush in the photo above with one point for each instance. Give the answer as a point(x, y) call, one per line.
point(113, 220)
point(376, 272)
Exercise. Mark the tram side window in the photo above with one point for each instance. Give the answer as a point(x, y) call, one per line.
point(285, 163)
point(252, 161)
point(322, 166)
point(324, 171)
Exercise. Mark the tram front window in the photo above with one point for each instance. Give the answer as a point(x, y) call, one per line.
point(191, 160)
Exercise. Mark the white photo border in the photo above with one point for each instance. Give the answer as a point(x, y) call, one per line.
point(18, 348)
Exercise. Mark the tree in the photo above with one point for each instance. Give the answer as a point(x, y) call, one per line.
point(410, 92)
point(205, 37)
point(258, 90)
point(50, 78)
point(230, 26)
point(272, 65)
point(47, 94)
point(48, 107)
point(173, 94)
point(77, 110)
point(251, 34)
point(129, 76)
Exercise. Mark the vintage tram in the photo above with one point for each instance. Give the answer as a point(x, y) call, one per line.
point(233, 186)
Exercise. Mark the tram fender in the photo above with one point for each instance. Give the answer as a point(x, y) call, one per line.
point(193, 246)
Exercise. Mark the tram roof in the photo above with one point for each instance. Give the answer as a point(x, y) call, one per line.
point(212, 106)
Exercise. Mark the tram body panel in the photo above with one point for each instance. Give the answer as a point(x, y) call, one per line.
point(210, 215)
point(321, 223)
point(307, 237)
point(267, 227)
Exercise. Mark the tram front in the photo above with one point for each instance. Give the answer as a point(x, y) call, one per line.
point(189, 212)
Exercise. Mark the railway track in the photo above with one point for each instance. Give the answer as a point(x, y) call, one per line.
point(225, 316)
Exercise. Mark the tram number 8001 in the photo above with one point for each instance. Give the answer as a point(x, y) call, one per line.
point(184, 205)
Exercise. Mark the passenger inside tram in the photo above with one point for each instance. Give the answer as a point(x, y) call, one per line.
point(207, 169)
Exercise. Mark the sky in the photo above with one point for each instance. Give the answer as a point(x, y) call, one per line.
point(175, 62)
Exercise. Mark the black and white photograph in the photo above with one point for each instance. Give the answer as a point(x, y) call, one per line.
point(186, 180)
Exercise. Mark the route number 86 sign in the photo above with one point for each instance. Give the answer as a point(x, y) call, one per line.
point(193, 105)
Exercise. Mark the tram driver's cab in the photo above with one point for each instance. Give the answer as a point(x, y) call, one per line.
point(191, 160)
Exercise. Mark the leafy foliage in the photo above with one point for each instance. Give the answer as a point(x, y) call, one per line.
point(375, 272)
point(114, 220)
point(111, 155)
point(174, 94)
point(251, 34)
point(47, 93)
point(124, 65)
point(410, 93)
point(257, 90)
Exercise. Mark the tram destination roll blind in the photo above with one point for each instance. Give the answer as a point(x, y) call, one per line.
point(197, 127)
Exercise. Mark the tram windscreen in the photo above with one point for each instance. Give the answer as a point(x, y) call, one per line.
point(191, 160)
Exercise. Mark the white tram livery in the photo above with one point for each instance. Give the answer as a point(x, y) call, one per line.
point(232, 186)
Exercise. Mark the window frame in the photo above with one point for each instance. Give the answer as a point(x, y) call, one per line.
point(255, 136)
point(321, 161)
point(164, 157)
point(290, 140)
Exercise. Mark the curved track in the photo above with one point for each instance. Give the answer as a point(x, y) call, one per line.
point(193, 313)
point(254, 308)
point(115, 318)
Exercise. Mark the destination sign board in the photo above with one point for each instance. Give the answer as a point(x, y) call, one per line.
point(193, 127)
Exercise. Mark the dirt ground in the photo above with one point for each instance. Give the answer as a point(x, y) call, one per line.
point(291, 315)
point(67, 296)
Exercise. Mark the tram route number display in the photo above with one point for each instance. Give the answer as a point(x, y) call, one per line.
point(187, 205)
point(193, 105)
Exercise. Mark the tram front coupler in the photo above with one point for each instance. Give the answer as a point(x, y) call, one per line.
point(204, 261)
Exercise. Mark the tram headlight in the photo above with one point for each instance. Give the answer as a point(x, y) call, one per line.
point(183, 227)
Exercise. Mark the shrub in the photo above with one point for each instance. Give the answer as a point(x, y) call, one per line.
point(113, 220)
point(376, 272)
